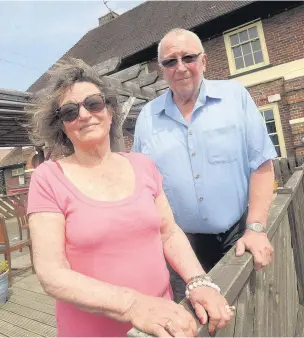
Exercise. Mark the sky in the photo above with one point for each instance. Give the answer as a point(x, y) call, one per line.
point(35, 34)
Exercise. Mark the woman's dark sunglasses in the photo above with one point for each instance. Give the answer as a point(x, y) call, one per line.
point(69, 112)
point(190, 58)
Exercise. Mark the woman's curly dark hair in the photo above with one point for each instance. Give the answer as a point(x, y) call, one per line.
point(44, 128)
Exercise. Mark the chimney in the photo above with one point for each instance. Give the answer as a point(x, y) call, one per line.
point(107, 18)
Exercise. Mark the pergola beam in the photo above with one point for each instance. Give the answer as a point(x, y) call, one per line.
point(131, 85)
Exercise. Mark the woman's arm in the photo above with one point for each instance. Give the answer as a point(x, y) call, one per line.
point(59, 281)
point(177, 248)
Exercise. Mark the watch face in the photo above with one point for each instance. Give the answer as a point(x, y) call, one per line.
point(256, 227)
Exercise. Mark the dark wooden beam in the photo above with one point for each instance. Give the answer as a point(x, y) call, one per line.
point(16, 93)
point(147, 79)
point(107, 67)
point(7, 103)
point(5, 111)
point(127, 74)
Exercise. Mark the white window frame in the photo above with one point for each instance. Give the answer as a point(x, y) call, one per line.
point(277, 119)
point(231, 61)
point(17, 172)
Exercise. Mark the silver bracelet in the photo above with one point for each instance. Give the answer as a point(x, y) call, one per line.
point(198, 282)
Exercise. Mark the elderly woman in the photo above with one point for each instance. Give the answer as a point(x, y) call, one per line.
point(102, 227)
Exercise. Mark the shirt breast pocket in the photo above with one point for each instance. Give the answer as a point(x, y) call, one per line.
point(221, 144)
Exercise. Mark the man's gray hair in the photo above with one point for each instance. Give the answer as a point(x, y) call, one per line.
point(177, 32)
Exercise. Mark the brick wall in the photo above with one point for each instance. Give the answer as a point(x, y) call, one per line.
point(217, 62)
point(294, 90)
point(284, 36)
point(12, 182)
point(291, 106)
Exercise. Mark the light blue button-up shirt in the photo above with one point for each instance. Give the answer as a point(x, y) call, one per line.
point(206, 164)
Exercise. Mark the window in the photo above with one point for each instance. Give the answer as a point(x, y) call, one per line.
point(272, 119)
point(246, 48)
point(17, 171)
point(21, 180)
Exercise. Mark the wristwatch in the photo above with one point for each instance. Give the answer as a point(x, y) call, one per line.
point(258, 227)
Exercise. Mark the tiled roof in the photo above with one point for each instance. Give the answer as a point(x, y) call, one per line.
point(142, 27)
point(3, 153)
point(17, 156)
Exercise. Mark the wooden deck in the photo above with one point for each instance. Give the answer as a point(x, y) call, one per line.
point(29, 312)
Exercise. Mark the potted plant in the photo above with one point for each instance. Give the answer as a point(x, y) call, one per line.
point(3, 282)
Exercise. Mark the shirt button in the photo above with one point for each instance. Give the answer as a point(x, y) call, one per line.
point(206, 219)
point(190, 132)
point(193, 154)
point(201, 199)
point(197, 176)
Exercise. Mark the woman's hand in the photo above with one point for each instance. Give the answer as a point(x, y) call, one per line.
point(161, 317)
point(207, 302)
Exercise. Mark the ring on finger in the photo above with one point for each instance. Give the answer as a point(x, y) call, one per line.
point(168, 325)
point(230, 308)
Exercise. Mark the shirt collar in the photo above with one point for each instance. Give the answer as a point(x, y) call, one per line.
point(207, 89)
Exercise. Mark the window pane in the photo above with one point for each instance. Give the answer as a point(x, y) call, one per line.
point(248, 60)
point(234, 39)
point(277, 148)
point(256, 45)
point(268, 115)
point(239, 63)
point(246, 49)
point(253, 32)
point(274, 139)
point(244, 36)
point(237, 51)
point(271, 127)
point(258, 57)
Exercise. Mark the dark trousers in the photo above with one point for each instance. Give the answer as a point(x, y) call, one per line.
point(209, 249)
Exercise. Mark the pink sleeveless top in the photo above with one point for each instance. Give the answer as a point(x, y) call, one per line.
point(115, 242)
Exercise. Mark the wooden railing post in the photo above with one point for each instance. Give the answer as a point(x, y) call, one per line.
point(296, 222)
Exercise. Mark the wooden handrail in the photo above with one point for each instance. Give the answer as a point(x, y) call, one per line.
point(232, 273)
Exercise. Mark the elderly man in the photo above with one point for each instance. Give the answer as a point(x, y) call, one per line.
point(211, 145)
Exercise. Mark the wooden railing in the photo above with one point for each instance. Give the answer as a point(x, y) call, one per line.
point(268, 302)
point(285, 167)
point(8, 204)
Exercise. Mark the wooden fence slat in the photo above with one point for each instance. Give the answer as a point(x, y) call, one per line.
point(299, 331)
point(299, 159)
point(270, 296)
point(291, 290)
point(277, 171)
point(259, 303)
point(292, 163)
point(284, 260)
point(245, 311)
point(296, 221)
point(285, 169)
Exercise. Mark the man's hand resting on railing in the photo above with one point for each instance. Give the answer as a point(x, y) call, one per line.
point(259, 246)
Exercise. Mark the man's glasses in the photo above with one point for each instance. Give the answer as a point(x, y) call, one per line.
point(69, 112)
point(190, 58)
